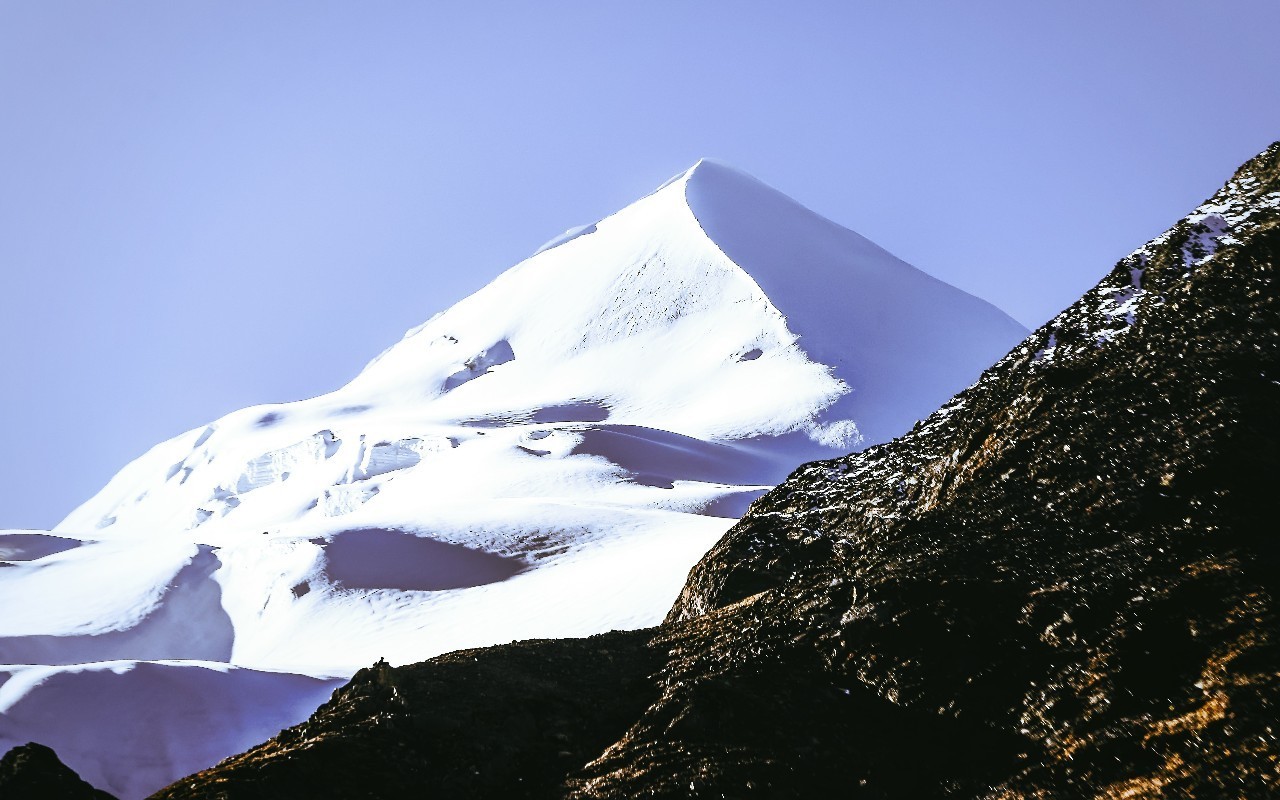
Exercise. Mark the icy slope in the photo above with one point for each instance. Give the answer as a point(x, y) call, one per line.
point(547, 458)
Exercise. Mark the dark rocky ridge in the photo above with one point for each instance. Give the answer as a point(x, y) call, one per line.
point(1062, 584)
point(33, 772)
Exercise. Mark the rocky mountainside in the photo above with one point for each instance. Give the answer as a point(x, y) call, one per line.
point(33, 772)
point(1063, 583)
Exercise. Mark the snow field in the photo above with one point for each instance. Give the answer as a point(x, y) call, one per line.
point(547, 458)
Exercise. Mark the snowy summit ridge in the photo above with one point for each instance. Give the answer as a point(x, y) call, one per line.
point(717, 258)
point(546, 458)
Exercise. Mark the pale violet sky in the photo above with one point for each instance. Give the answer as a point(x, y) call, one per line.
point(207, 205)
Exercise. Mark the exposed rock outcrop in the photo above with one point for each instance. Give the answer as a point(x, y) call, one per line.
point(33, 772)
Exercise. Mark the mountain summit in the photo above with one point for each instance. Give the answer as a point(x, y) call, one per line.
point(546, 458)
point(713, 270)
point(1062, 584)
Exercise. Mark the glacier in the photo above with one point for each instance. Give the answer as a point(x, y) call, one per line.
point(546, 458)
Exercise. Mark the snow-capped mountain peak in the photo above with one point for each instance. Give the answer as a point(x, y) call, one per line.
point(723, 270)
point(546, 458)
point(646, 286)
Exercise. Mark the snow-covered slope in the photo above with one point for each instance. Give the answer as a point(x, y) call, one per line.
point(546, 458)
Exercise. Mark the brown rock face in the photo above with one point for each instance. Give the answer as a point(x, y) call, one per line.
point(1062, 584)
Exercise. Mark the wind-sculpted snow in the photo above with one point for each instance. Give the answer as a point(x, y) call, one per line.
point(567, 236)
point(380, 458)
point(383, 559)
point(660, 458)
point(130, 725)
point(278, 465)
point(182, 620)
point(546, 458)
point(480, 364)
point(32, 545)
point(902, 358)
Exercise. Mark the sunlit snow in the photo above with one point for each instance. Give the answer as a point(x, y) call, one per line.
point(547, 458)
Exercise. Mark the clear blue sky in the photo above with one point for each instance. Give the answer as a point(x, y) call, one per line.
point(206, 205)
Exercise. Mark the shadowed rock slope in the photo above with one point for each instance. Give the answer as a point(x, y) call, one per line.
point(33, 772)
point(1062, 584)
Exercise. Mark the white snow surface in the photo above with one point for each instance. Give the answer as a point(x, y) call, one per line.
point(547, 458)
